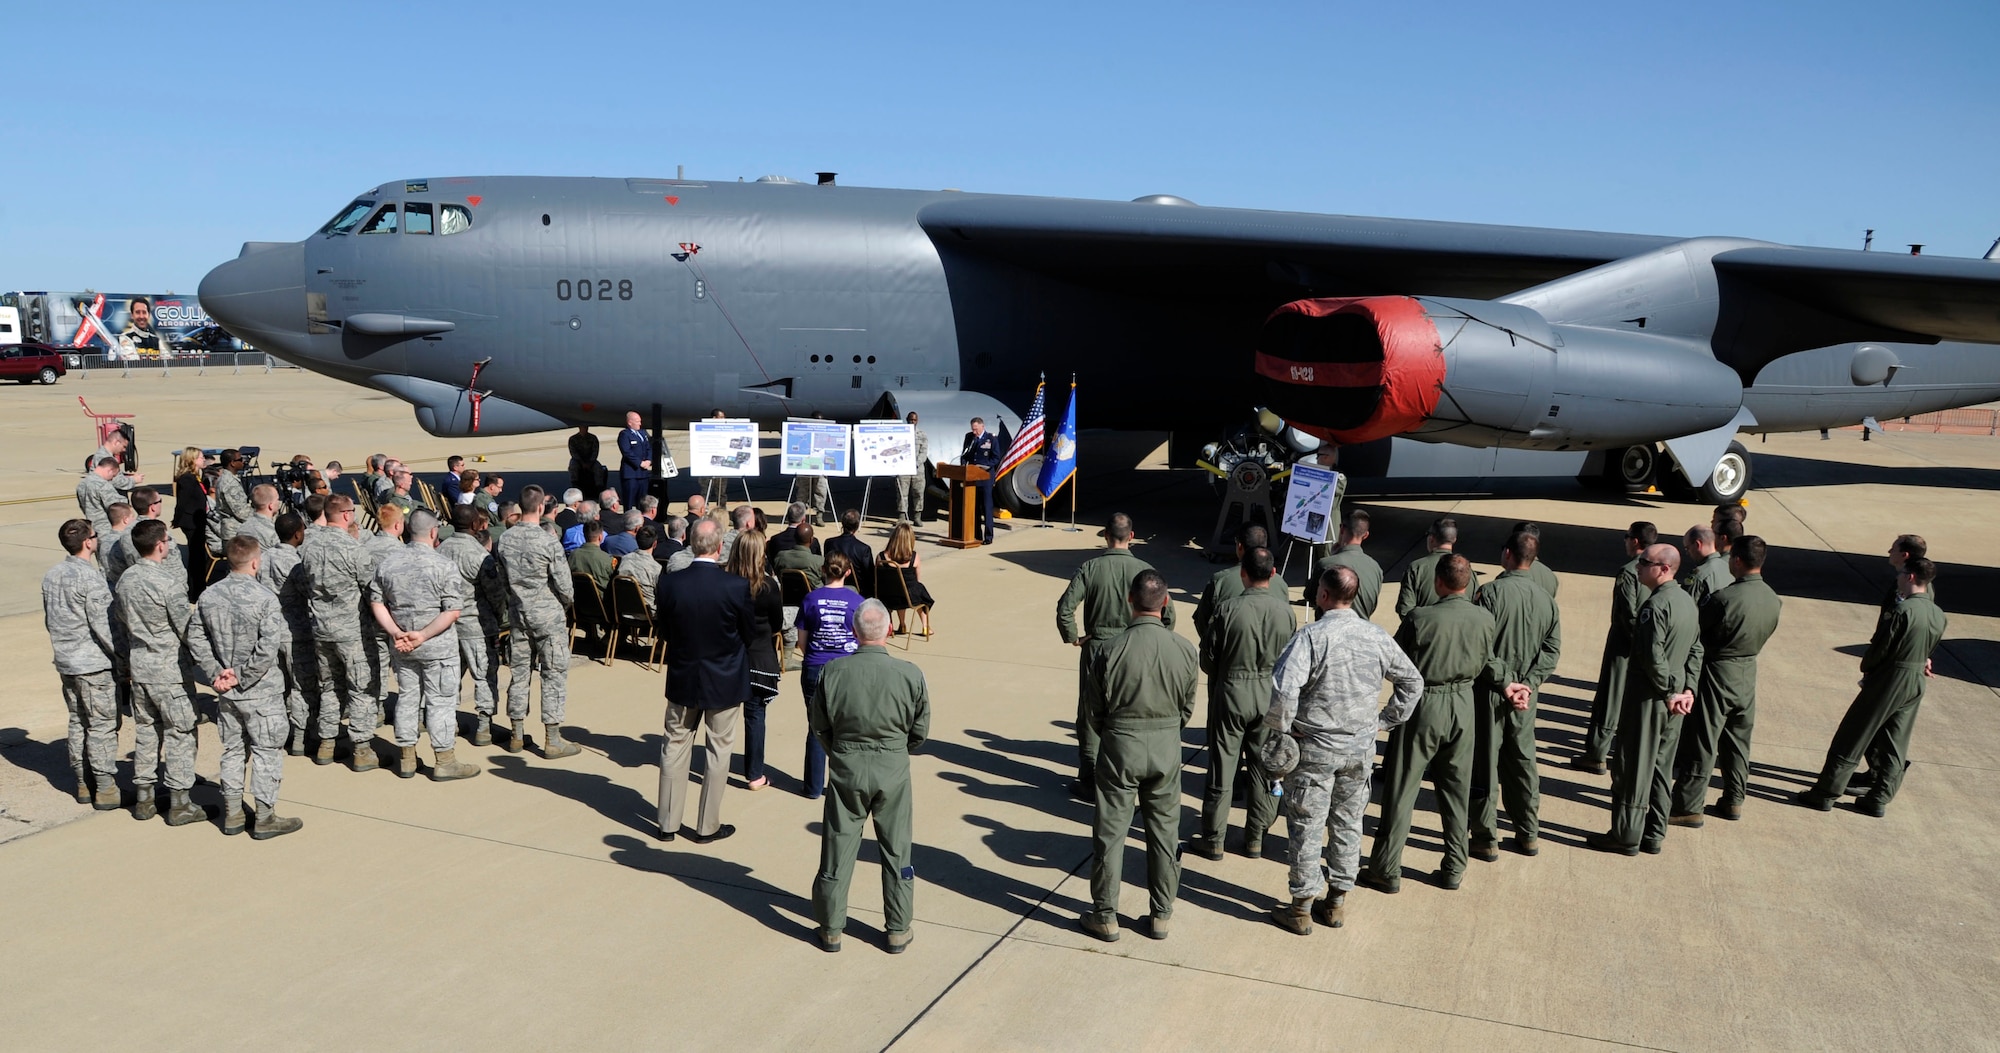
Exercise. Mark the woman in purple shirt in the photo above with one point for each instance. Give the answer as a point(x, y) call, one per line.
point(826, 631)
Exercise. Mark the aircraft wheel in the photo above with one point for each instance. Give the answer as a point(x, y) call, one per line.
point(1634, 467)
point(1016, 491)
point(1730, 480)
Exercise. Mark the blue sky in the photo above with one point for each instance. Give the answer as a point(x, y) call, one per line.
point(144, 152)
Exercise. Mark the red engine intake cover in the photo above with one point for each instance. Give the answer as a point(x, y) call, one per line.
point(1352, 370)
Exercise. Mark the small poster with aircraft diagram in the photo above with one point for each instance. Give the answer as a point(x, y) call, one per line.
point(722, 447)
point(1309, 500)
point(815, 447)
point(885, 447)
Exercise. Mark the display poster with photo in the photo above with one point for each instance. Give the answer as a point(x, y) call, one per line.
point(1309, 498)
point(814, 447)
point(722, 447)
point(885, 447)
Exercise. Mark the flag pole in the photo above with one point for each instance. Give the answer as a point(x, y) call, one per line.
point(1074, 467)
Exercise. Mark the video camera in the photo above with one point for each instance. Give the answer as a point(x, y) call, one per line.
point(292, 478)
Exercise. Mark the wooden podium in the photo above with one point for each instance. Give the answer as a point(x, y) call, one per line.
point(966, 523)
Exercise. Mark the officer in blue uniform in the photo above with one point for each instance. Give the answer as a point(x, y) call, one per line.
point(635, 462)
point(983, 449)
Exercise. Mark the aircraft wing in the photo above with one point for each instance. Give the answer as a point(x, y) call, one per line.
point(1170, 246)
point(1921, 298)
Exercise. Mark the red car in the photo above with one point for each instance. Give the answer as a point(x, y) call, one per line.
point(26, 363)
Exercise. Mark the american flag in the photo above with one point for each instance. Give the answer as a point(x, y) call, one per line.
point(1029, 441)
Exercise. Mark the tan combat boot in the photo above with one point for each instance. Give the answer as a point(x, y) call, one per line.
point(108, 797)
point(900, 941)
point(1295, 917)
point(553, 746)
point(297, 747)
point(482, 730)
point(406, 764)
point(1331, 911)
point(143, 806)
point(448, 767)
point(232, 815)
point(518, 741)
point(364, 758)
point(324, 755)
point(180, 812)
point(268, 824)
point(82, 788)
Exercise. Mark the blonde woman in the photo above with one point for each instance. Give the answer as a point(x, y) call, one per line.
point(900, 557)
point(191, 510)
point(746, 561)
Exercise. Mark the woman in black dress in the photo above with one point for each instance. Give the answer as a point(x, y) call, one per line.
point(746, 561)
point(191, 516)
point(900, 557)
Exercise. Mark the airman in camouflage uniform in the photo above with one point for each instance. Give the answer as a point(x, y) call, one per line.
point(416, 600)
point(869, 712)
point(261, 523)
point(337, 576)
point(152, 603)
point(1099, 587)
point(1144, 682)
point(539, 593)
point(1239, 649)
point(469, 555)
point(95, 495)
point(280, 572)
point(1527, 644)
point(910, 488)
point(1324, 695)
point(76, 608)
point(235, 637)
point(231, 504)
point(378, 546)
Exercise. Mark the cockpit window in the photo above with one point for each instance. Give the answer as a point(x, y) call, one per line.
point(383, 222)
point(416, 217)
point(456, 219)
point(348, 217)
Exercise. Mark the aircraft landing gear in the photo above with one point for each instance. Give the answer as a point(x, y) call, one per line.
point(1635, 468)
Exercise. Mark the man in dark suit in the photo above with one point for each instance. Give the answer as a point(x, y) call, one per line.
point(982, 448)
point(795, 513)
point(707, 614)
point(635, 461)
point(858, 554)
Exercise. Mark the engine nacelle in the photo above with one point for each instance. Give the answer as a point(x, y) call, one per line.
point(1481, 373)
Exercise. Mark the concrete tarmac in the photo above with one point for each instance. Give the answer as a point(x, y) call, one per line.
point(532, 908)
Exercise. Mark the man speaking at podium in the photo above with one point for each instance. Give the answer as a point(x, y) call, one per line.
point(982, 449)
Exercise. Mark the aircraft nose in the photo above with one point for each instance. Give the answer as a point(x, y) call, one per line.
point(259, 296)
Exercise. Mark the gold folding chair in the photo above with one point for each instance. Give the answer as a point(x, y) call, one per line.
point(589, 612)
point(629, 614)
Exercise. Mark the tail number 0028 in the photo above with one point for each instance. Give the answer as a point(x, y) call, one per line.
point(600, 289)
point(1302, 374)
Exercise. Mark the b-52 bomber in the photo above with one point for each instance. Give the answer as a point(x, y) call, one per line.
point(503, 305)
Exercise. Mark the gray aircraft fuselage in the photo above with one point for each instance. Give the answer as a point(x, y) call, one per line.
point(584, 298)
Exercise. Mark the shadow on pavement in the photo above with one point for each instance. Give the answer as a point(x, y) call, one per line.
point(621, 804)
point(729, 882)
point(50, 760)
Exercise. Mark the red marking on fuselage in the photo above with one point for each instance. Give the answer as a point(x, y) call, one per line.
point(474, 200)
point(672, 200)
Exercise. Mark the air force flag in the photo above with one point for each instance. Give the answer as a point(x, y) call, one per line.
point(1059, 463)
